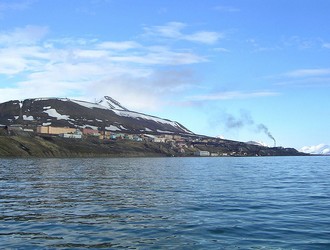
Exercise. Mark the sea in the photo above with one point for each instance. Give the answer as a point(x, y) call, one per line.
point(165, 203)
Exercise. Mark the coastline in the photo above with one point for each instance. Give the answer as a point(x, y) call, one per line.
point(56, 147)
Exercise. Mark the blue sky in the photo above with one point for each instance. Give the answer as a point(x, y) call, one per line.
point(218, 67)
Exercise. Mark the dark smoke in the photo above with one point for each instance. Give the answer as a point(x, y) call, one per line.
point(261, 127)
point(245, 119)
point(233, 122)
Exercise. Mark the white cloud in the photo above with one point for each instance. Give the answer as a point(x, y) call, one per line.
point(33, 66)
point(159, 55)
point(26, 36)
point(224, 50)
point(206, 37)
point(144, 92)
point(170, 30)
point(173, 30)
point(126, 45)
point(316, 149)
point(309, 72)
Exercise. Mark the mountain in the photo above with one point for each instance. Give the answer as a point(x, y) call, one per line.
point(105, 114)
point(321, 149)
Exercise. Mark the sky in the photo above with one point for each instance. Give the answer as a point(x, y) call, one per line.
point(240, 69)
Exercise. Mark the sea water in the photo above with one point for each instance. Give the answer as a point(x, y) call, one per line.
point(165, 203)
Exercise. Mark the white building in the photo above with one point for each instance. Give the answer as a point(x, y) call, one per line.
point(202, 153)
point(75, 135)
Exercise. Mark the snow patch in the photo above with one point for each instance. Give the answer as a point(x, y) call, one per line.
point(54, 113)
point(46, 124)
point(28, 118)
point(43, 99)
point(164, 131)
point(136, 115)
point(89, 126)
point(257, 143)
point(122, 127)
point(113, 128)
point(111, 103)
point(89, 104)
point(16, 117)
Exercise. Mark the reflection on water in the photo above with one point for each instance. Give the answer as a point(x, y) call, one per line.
point(185, 203)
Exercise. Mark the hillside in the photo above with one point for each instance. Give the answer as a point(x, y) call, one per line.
point(30, 145)
point(113, 131)
point(106, 114)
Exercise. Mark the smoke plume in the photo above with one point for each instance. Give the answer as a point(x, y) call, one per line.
point(245, 119)
point(261, 127)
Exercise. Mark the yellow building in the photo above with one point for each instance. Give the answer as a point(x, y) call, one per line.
point(54, 130)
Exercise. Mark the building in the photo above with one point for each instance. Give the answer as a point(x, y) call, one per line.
point(54, 130)
point(75, 135)
point(91, 132)
point(202, 153)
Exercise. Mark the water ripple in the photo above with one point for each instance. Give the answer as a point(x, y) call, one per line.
point(165, 203)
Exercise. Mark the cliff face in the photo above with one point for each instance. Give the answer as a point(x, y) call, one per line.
point(106, 114)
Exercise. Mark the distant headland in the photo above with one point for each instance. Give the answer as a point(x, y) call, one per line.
point(62, 127)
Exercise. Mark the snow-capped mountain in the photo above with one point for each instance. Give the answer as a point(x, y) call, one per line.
point(321, 149)
point(105, 114)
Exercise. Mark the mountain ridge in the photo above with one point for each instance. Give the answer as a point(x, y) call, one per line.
point(65, 112)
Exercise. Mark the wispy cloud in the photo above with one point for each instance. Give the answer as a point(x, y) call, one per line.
point(223, 50)
point(308, 72)
point(326, 45)
point(23, 36)
point(304, 77)
point(230, 95)
point(32, 65)
point(287, 43)
point(125, 45)
point(301, 43)
point(173, 30)
point(258, 47)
